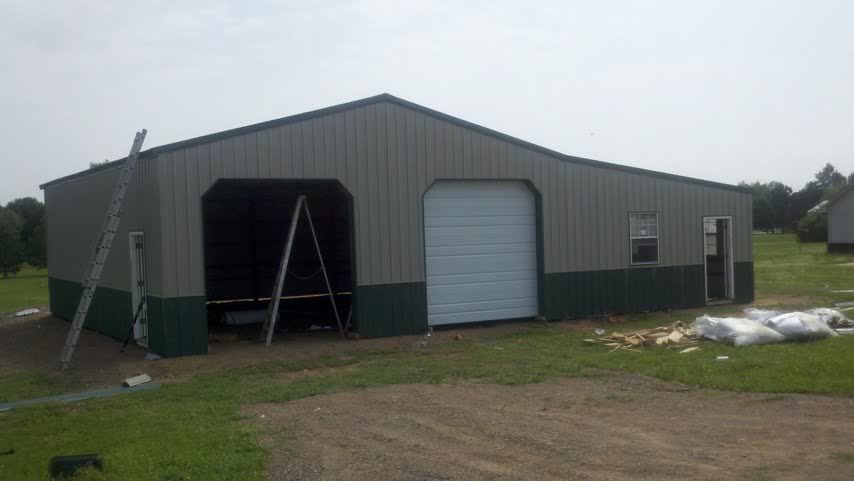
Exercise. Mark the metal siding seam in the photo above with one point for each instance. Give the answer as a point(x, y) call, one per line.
point(600, 243)
point(227, 155)
point(562, 215)
point(414, 203)
point(275, 153)
point(362, 199)
point(375, 210)
point(177, 271)
point(413, 217)
point(443, 149)
point(270, 147)
point(286, 156)
point(340, 139)
point(250, 153)
point(468, 155)
point(321, 157)
point(383, 206)
point(684, 222)
point(476, 156)
point(329, 165)
point(297, 152)
point(350, 152)
point(393, 184)
point(459, 153)
point(430, 139)
point(402, 190)
point(196, 246)
point(588, 214)
point(550, 196)
point(308, 149)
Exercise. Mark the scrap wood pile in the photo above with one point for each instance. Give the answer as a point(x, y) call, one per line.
point(675, 336)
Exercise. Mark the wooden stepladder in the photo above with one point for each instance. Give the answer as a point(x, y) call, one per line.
point(102, 249)
point(276, 297)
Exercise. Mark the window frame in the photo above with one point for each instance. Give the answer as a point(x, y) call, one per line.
point(657, 238)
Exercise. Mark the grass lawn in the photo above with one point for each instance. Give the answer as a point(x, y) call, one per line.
point(194, 430)
point(27, 288)
point(785, 268)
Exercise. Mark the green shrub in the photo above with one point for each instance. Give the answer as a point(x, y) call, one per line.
point(813, 228)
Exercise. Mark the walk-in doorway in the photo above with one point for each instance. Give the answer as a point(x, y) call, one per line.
point(138, 288)
point(717, 246)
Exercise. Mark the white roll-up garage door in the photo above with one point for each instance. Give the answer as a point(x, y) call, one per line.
point(481, 247)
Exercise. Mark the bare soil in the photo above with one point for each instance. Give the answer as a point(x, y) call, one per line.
point(35, 343)
point(602, 428)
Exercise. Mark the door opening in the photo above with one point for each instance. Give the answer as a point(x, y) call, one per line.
point(717, 246)
point(138, 288)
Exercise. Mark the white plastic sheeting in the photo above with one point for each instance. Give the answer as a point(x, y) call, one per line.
point(831, 317)
point(735, 330)
point(800, 326)
point(760, 315)
point(764, 326)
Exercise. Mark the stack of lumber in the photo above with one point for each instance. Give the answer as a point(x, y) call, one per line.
point(675, 336)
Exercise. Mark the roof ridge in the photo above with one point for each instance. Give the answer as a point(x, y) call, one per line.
point(148, 153)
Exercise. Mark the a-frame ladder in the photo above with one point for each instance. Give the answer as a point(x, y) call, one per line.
point(102, 250)
point(275, 299)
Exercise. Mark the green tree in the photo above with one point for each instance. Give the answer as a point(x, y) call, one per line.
point(763, 208)
point(828, 177)
point(31, 212)
point(779, 195)
point(11, 247)
point(813, 227)
point(763, 218)
point(851, 177)
point(802, 201)
point(37, 253)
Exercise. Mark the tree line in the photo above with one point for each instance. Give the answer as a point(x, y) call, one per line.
point(22, 235)
point(778, 208)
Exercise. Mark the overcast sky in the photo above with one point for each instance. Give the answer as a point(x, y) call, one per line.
point(727, 91)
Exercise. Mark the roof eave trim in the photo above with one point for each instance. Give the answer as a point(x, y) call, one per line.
point(385, 97)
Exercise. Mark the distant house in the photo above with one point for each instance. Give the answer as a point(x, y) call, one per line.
point(840, 221)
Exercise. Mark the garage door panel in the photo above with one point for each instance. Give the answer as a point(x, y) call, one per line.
point(480, 316)
point(469, 278)
point(496, 263)
point(487, 291)
point(474, 249)
point(481, 251)
point(478, 234)
point(460, 207)
point(468, 307)
point(469, 220)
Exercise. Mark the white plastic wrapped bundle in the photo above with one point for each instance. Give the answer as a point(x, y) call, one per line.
point(832, 317)
point(760, 315)
point(800, 326)
point(735, 331)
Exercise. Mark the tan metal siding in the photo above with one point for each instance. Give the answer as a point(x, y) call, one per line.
point(387, 156)
point(75, 212)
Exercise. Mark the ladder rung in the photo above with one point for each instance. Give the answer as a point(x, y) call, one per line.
point(102, 249)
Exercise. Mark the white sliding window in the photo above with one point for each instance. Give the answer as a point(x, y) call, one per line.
point(643, 230)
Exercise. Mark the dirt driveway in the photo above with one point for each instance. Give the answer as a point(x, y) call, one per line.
point(610, 427)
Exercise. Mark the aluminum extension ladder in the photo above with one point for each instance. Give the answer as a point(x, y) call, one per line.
point(102, 250)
